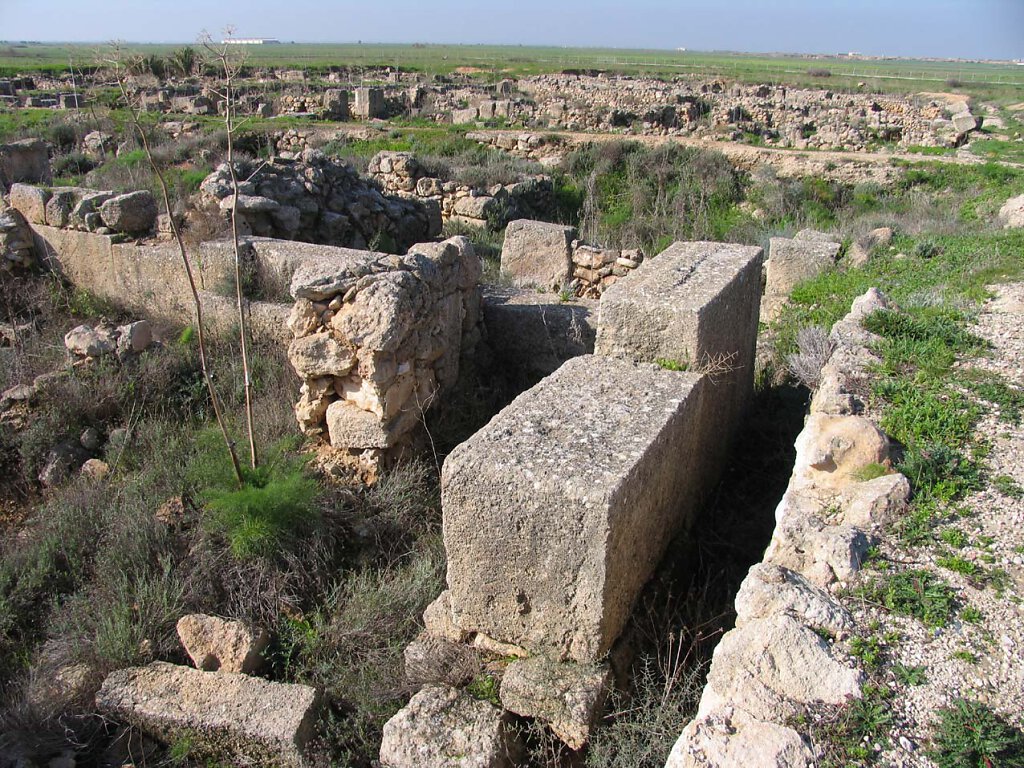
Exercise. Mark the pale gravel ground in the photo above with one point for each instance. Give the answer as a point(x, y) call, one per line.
point(998, 677)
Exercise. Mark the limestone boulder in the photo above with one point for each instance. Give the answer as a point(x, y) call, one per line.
point(133, 213)
point(30, 201)
point(1011, 215)
point(216, 644)
point(225, 716)
point(477, 208)
point(26, 160)
point(791, 261)
point(134, 338)
point(538, 254)
point(568, 697)
point(85, 341)
point(438, 620)
point(729, 737)
point(771, 667)
point(442, 727)
point(770, 590)
point(821, 552)
point(320, 355)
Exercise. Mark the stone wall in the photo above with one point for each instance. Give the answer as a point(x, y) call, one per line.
point(377, 339)
point(319, 200)
point(776, 661)
point(401, 174)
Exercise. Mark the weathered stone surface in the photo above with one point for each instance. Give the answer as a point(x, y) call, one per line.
point(134, 337)
point(569, 697)
point(445, 728)
point(433, 659)
point(1011, 215)
point(95, 469)
point(531, 335)
point(350, 426)
point(134, 212)
point(730, 738)
point(695, 304)
point(791, 262)
point(224, 715)
point(320, 355)
point(31, 201)
point(821, 552)
point(26, 160)
point(570, 512)
point(538, 254)
point(438, 620)
point(769, 667)
point(225, 645)
point(89, 342)
point(769, 590)
point(860, 251)
point(876, 503)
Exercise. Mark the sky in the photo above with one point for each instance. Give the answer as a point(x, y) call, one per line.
point(991, 29)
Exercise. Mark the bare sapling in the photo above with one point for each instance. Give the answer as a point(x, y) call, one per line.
point(134, 108)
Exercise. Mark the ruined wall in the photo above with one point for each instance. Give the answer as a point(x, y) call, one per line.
point(377, 339)
point(775, 661)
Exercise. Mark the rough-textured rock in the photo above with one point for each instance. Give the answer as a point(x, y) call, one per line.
point(134, 212)
point(95, 469)
point(569, 697)
point(64, 459)
point(26, 160)
point(30, 201)
point(769, 667)
point(860, 250)
point(791, 262)
point(538, 254)
point(225, 716)
point(821, 552)
point(769, 590)
point(695, 304)
point(438, 620)
point(730, 738)
point(89, 342)
point(225, 645)
point(320, 355)
point(570, 496)
point(17, 249)
point(1011, 215)
point(445, 728)
point(134, 338)
point(433, 659)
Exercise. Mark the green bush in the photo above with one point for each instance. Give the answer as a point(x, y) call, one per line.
point(970, 735)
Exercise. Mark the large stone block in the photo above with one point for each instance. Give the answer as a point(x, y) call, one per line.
point(30, 201)
point(791, 262)
point(538, 254)
point(225, 715)
point(557, 512)
point(27, 160)
point(695, 304)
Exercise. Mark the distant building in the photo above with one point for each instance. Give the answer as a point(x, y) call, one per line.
point(251, 41)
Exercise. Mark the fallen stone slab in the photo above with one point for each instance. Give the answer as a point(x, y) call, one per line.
point(791, 261)
point(569, 697)
point(224, 715)
point(225, 645)
point(445, 728)
point(537, 254)
point(557, 512)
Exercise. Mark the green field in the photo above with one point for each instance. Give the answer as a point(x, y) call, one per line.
point(501, 61)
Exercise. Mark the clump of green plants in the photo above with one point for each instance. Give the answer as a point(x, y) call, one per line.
point(845, 735)
point(969, 734)
point(916, 593)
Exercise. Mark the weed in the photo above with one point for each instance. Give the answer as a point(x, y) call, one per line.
point(970, 735)
point(485, 688)
point(915, 593)
point(909, 675)
point(871, 471)
point(845, 735)
point(965, 656)
point(814, 348)
point(955, 537)
point(971, 615)
point(958, 564)
point(672, 365)
point(869, 650)
point(1007, 486)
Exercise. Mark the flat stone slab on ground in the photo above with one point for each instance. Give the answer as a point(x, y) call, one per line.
point(557, 512)
point(224, 714)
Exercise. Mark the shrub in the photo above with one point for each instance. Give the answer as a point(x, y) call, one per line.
point(970, 735)
point(814, 348)
point(72, 164)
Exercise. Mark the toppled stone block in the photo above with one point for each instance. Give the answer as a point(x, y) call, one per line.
point(694, 305)
point(445, 728)
point(568, 697)
point(224, 715)
point(133, 213)
point(539, 254)
point(570, 496)
point(475, 209)
point(216, 644)
point(89, 342)
point(728, 738)
point(791, 262)
point(770, 667)
point(769, 590)
point(27, 160)
point(134, 338)
point(432, 659)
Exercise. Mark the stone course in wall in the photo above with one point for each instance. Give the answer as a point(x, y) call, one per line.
point(775, 662)
point(377, 338)
point(401, 174)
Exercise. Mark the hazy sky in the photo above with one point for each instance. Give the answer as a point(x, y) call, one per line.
point(949, 28)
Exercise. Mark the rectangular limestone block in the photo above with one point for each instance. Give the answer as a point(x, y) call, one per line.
point(537, 254)
point(791, 262)
point(558, 511)
point(225, 715)
point(695, 304)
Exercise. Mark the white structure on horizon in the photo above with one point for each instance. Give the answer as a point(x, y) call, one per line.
point(251, 41)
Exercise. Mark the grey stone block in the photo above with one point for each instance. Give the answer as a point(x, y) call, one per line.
point(791, 262)
point(557, 512)
point(537, 254)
